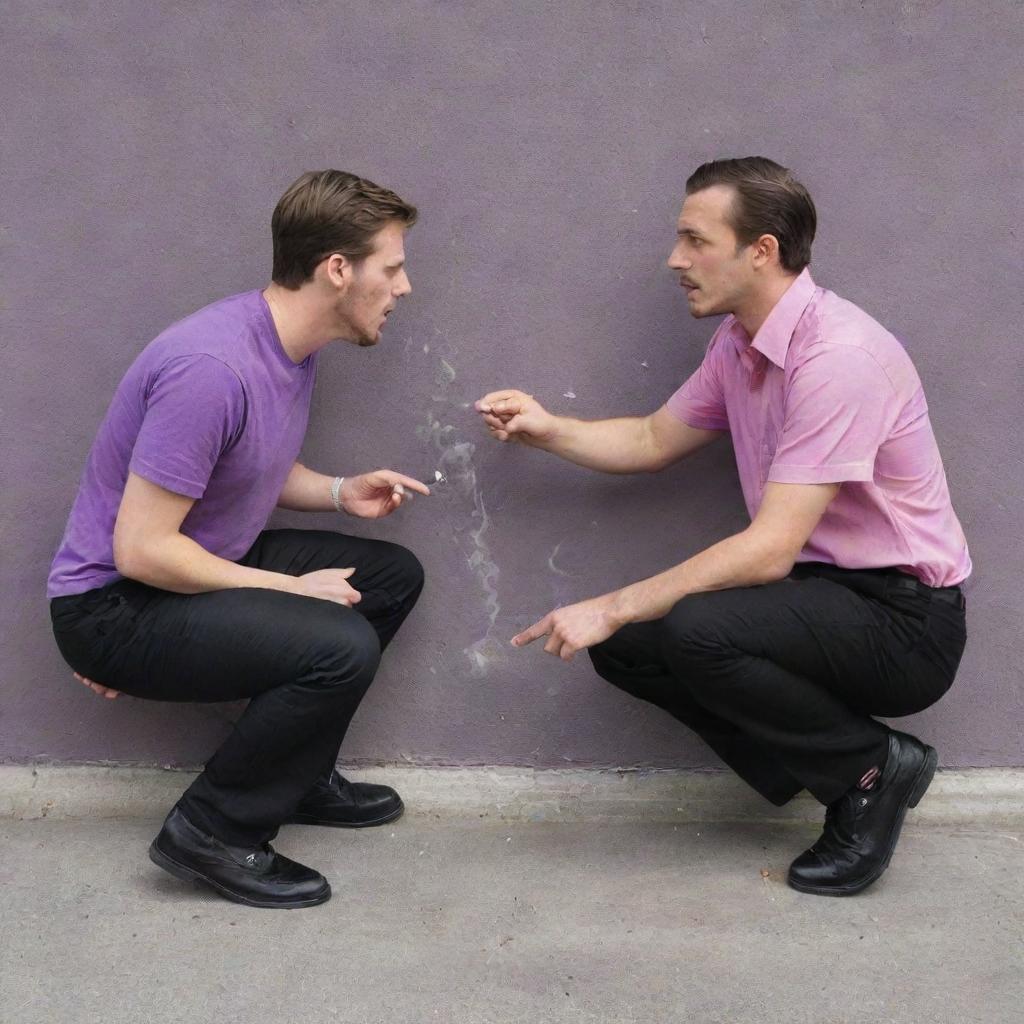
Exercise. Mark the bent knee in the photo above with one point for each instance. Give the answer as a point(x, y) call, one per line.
point(409, 568)
point(403, 578)
point(347, 652)
point(696, 627)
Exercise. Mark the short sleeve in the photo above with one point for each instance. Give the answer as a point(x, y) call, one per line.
point(839, 407)
point(195, 411)
point(700, 402)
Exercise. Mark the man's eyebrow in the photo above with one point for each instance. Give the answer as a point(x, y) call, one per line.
point(689, 231)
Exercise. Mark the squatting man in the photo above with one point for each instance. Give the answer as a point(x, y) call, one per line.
point(167, 585)
point(841, 601)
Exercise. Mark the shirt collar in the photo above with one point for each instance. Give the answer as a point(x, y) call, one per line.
point(773, 339)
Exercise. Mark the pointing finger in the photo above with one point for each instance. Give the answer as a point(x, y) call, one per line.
point(402, 481)
point(529, 635)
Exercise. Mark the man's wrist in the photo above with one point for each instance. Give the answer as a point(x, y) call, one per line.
point(336, 485)
point(550, 438)
point(285, 583)
point(620, 608)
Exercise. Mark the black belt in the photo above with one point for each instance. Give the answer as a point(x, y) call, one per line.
point(949, 595)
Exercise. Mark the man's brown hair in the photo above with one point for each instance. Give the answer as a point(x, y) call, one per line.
point(325, 212)
point(768, 201)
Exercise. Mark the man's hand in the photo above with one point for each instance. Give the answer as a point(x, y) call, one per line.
point(103, 691)
point(326, 585)
point(515, 416)
point(574, 627)
point(377, 494)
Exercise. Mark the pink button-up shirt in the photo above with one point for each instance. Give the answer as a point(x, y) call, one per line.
point(824, 394)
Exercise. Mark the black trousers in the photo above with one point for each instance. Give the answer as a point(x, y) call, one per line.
point(782, 680)
point(303, 663)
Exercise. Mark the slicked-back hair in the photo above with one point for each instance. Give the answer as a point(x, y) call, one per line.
point(325, 212)
point(768, 201)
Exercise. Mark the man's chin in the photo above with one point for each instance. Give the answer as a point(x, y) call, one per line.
point(700, 310)
point(365, 340)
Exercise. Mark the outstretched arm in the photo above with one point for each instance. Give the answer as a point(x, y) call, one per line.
point(368, 495)
point(763, 553)
point(633, 444)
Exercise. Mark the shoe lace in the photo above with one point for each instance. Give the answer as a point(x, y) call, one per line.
point(842, 817)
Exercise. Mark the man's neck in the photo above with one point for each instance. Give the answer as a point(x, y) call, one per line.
point(302, 326)
point(753, 313)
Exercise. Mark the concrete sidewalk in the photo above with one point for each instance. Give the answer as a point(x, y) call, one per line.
point(466, 919)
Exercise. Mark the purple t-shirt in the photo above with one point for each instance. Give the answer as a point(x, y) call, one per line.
point(212, 409)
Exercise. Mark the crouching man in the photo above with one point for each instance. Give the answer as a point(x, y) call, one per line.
point(167, 585)
point(841, 601)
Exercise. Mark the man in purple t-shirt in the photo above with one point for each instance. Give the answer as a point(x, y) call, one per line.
point(168, 586)
point(841, 600)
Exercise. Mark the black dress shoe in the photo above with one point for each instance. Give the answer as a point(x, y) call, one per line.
point(343, 804)
point(862, 826)
point(256, 876)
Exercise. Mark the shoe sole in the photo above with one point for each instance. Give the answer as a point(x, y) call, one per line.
point(922, 781)
point(187, 874)
point(308, 819)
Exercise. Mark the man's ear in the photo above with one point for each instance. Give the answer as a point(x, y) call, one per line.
point(336, 270)
point(766, 251)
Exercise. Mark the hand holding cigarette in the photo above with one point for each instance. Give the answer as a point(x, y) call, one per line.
point(377, 494)
point(513, 415)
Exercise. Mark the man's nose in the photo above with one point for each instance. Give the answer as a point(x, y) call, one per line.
point(677, 261)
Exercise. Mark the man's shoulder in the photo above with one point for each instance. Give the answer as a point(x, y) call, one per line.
point(832, 324)
point(214, 330)
point(220, 333)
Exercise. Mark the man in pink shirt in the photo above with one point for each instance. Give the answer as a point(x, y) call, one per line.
point(841, 600)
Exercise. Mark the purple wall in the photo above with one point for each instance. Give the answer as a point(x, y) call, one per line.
point(546, 146)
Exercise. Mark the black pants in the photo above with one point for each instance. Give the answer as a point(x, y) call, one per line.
point(781, 680)
point(303, 663)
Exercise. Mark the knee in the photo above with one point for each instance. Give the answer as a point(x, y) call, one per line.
point(408, 571)
point(411, 568)
point(610, 661)
point(693, 631)
point(602, 660)
point(630, 659)
point(348, 655)
point(612, 669)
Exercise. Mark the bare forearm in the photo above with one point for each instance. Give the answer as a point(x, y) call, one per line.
point(306, 491)
point(611, 446)
point(177, 563)
point(743, 560)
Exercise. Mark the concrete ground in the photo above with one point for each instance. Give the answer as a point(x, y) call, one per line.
point(470, 919)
